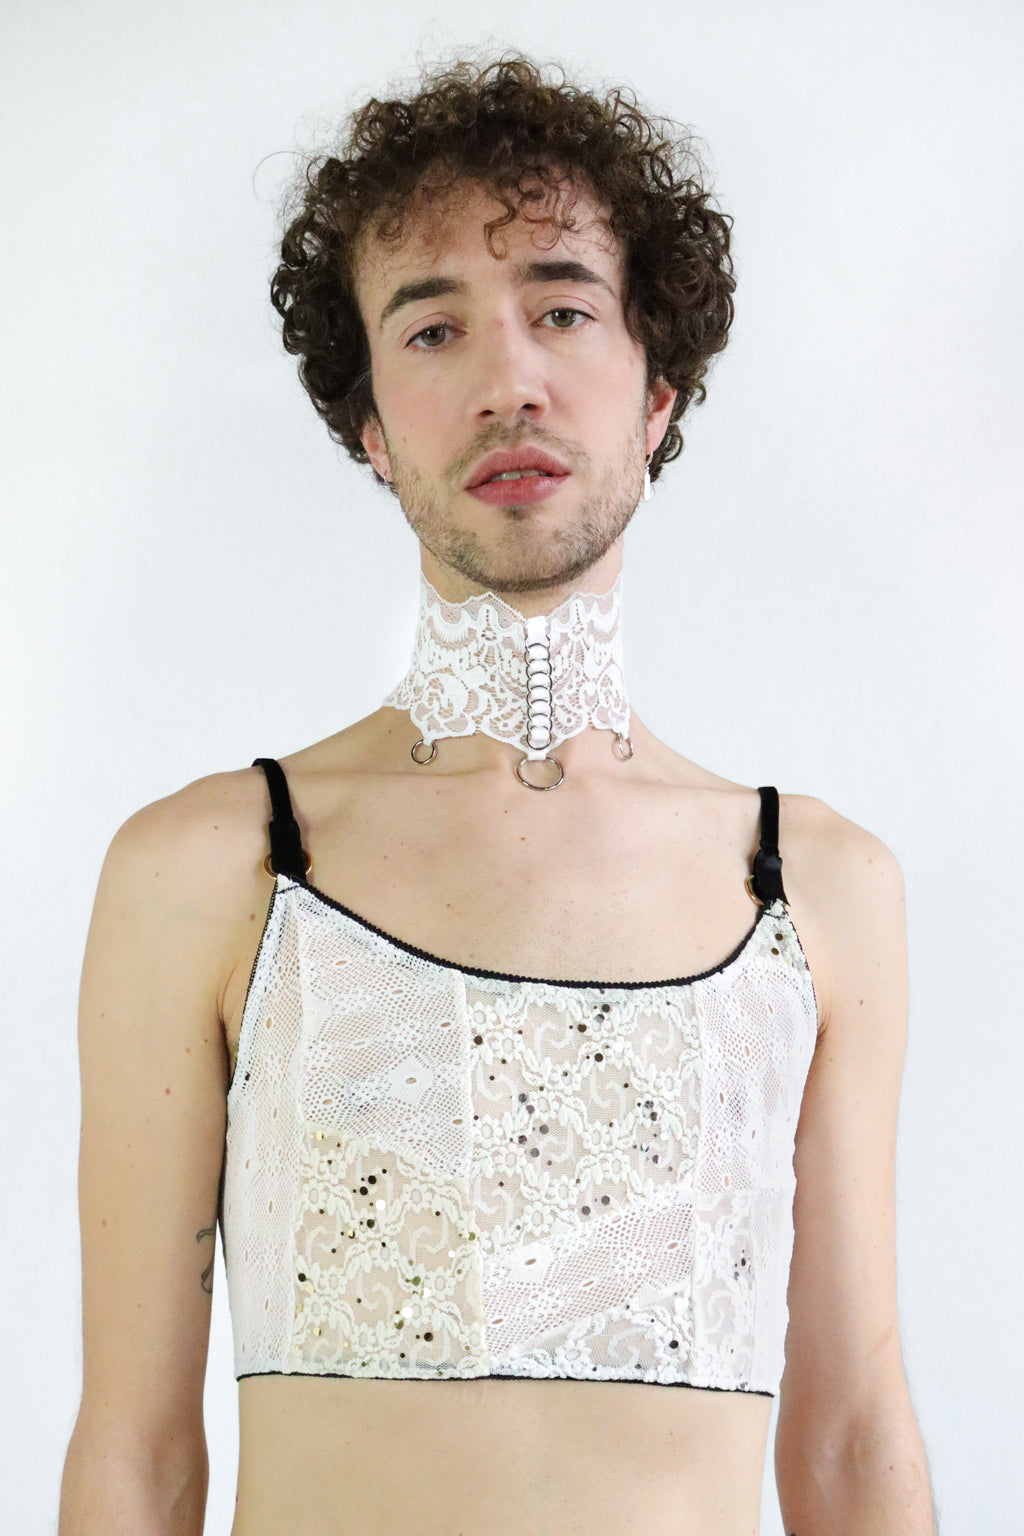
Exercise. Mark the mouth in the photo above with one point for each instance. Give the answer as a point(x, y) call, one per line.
point(517, 487)
point(511, 464)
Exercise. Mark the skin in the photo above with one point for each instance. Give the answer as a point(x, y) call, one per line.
point(506, 365)
point(631, 870)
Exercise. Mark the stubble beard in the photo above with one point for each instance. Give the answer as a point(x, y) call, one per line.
point(517, 558)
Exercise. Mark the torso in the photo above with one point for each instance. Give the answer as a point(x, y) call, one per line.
point(635, 874)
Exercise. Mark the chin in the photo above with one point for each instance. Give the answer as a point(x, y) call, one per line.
point(523, 557)
point(520, 577)
point(512, 584)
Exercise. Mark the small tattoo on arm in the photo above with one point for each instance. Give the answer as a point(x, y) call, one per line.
point(206, 1278)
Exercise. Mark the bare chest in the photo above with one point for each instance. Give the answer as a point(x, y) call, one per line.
point(644, 887)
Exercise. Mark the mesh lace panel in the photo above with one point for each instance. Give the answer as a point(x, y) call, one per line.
point(263, 1146)
point(436, 1172)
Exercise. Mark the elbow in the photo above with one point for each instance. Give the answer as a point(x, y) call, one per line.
point(859, 1479)
point(116, 1485)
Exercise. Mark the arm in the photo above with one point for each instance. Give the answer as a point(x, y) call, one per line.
point(848, 1454)
point(154, 1075)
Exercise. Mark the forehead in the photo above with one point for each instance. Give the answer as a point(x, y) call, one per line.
point(448, 232)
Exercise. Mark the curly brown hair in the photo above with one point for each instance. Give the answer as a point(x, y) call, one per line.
point(503, 127)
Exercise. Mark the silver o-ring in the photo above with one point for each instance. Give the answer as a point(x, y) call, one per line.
point(423, 761)
point(561, 772)
point(621, 742)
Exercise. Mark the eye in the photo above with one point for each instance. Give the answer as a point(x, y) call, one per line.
point(428, 330)
point(564, 310)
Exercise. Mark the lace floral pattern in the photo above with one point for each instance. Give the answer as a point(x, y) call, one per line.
point(469, 667)
point(435, 1172)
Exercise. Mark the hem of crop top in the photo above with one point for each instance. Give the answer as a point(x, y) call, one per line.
point(543, 981)
point(503, 1376)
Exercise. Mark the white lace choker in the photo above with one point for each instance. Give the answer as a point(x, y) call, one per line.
point(480, 665)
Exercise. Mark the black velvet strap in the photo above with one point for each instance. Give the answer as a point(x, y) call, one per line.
point(287, 855)
point(767, 874)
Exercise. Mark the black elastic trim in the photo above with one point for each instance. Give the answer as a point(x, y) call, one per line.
point(629, 1381)
point(767, 872)
point(544, 981)
point(287, 854)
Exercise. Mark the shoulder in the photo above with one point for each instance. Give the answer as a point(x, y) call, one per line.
point(828, 846)
point(846, 895)
point(188, 870)
point(211, 828)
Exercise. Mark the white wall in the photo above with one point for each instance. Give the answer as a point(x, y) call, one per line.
point(824, 592)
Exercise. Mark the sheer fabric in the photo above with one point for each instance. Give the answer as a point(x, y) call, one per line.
point(435, 1171)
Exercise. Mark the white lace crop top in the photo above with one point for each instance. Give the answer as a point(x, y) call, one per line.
point(438, 1171)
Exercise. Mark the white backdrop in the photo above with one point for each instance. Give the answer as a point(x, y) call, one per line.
point(824, 592)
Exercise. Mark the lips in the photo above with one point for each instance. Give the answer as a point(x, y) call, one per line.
point(516, 458)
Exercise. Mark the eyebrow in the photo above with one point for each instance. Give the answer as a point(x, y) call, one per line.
point(523, 273)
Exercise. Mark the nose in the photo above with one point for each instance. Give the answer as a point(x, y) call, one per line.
point(510, 377)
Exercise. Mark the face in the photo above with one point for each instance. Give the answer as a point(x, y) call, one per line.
point(526, 349)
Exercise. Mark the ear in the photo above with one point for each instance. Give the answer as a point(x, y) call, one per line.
point(372, 439)
point(661, 399)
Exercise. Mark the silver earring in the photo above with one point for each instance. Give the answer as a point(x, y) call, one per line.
point(647, 478)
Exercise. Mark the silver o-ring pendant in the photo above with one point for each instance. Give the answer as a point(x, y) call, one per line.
point(620, 743)
point(553, 785)
point(423, 761)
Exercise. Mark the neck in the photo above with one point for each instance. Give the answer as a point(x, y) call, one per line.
point(530, 597)
point(529, 681)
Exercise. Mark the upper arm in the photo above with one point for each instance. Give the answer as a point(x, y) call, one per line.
point(844, 1365)
point(154, 1077)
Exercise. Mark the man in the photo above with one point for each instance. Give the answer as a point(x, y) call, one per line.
point(504, 299)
